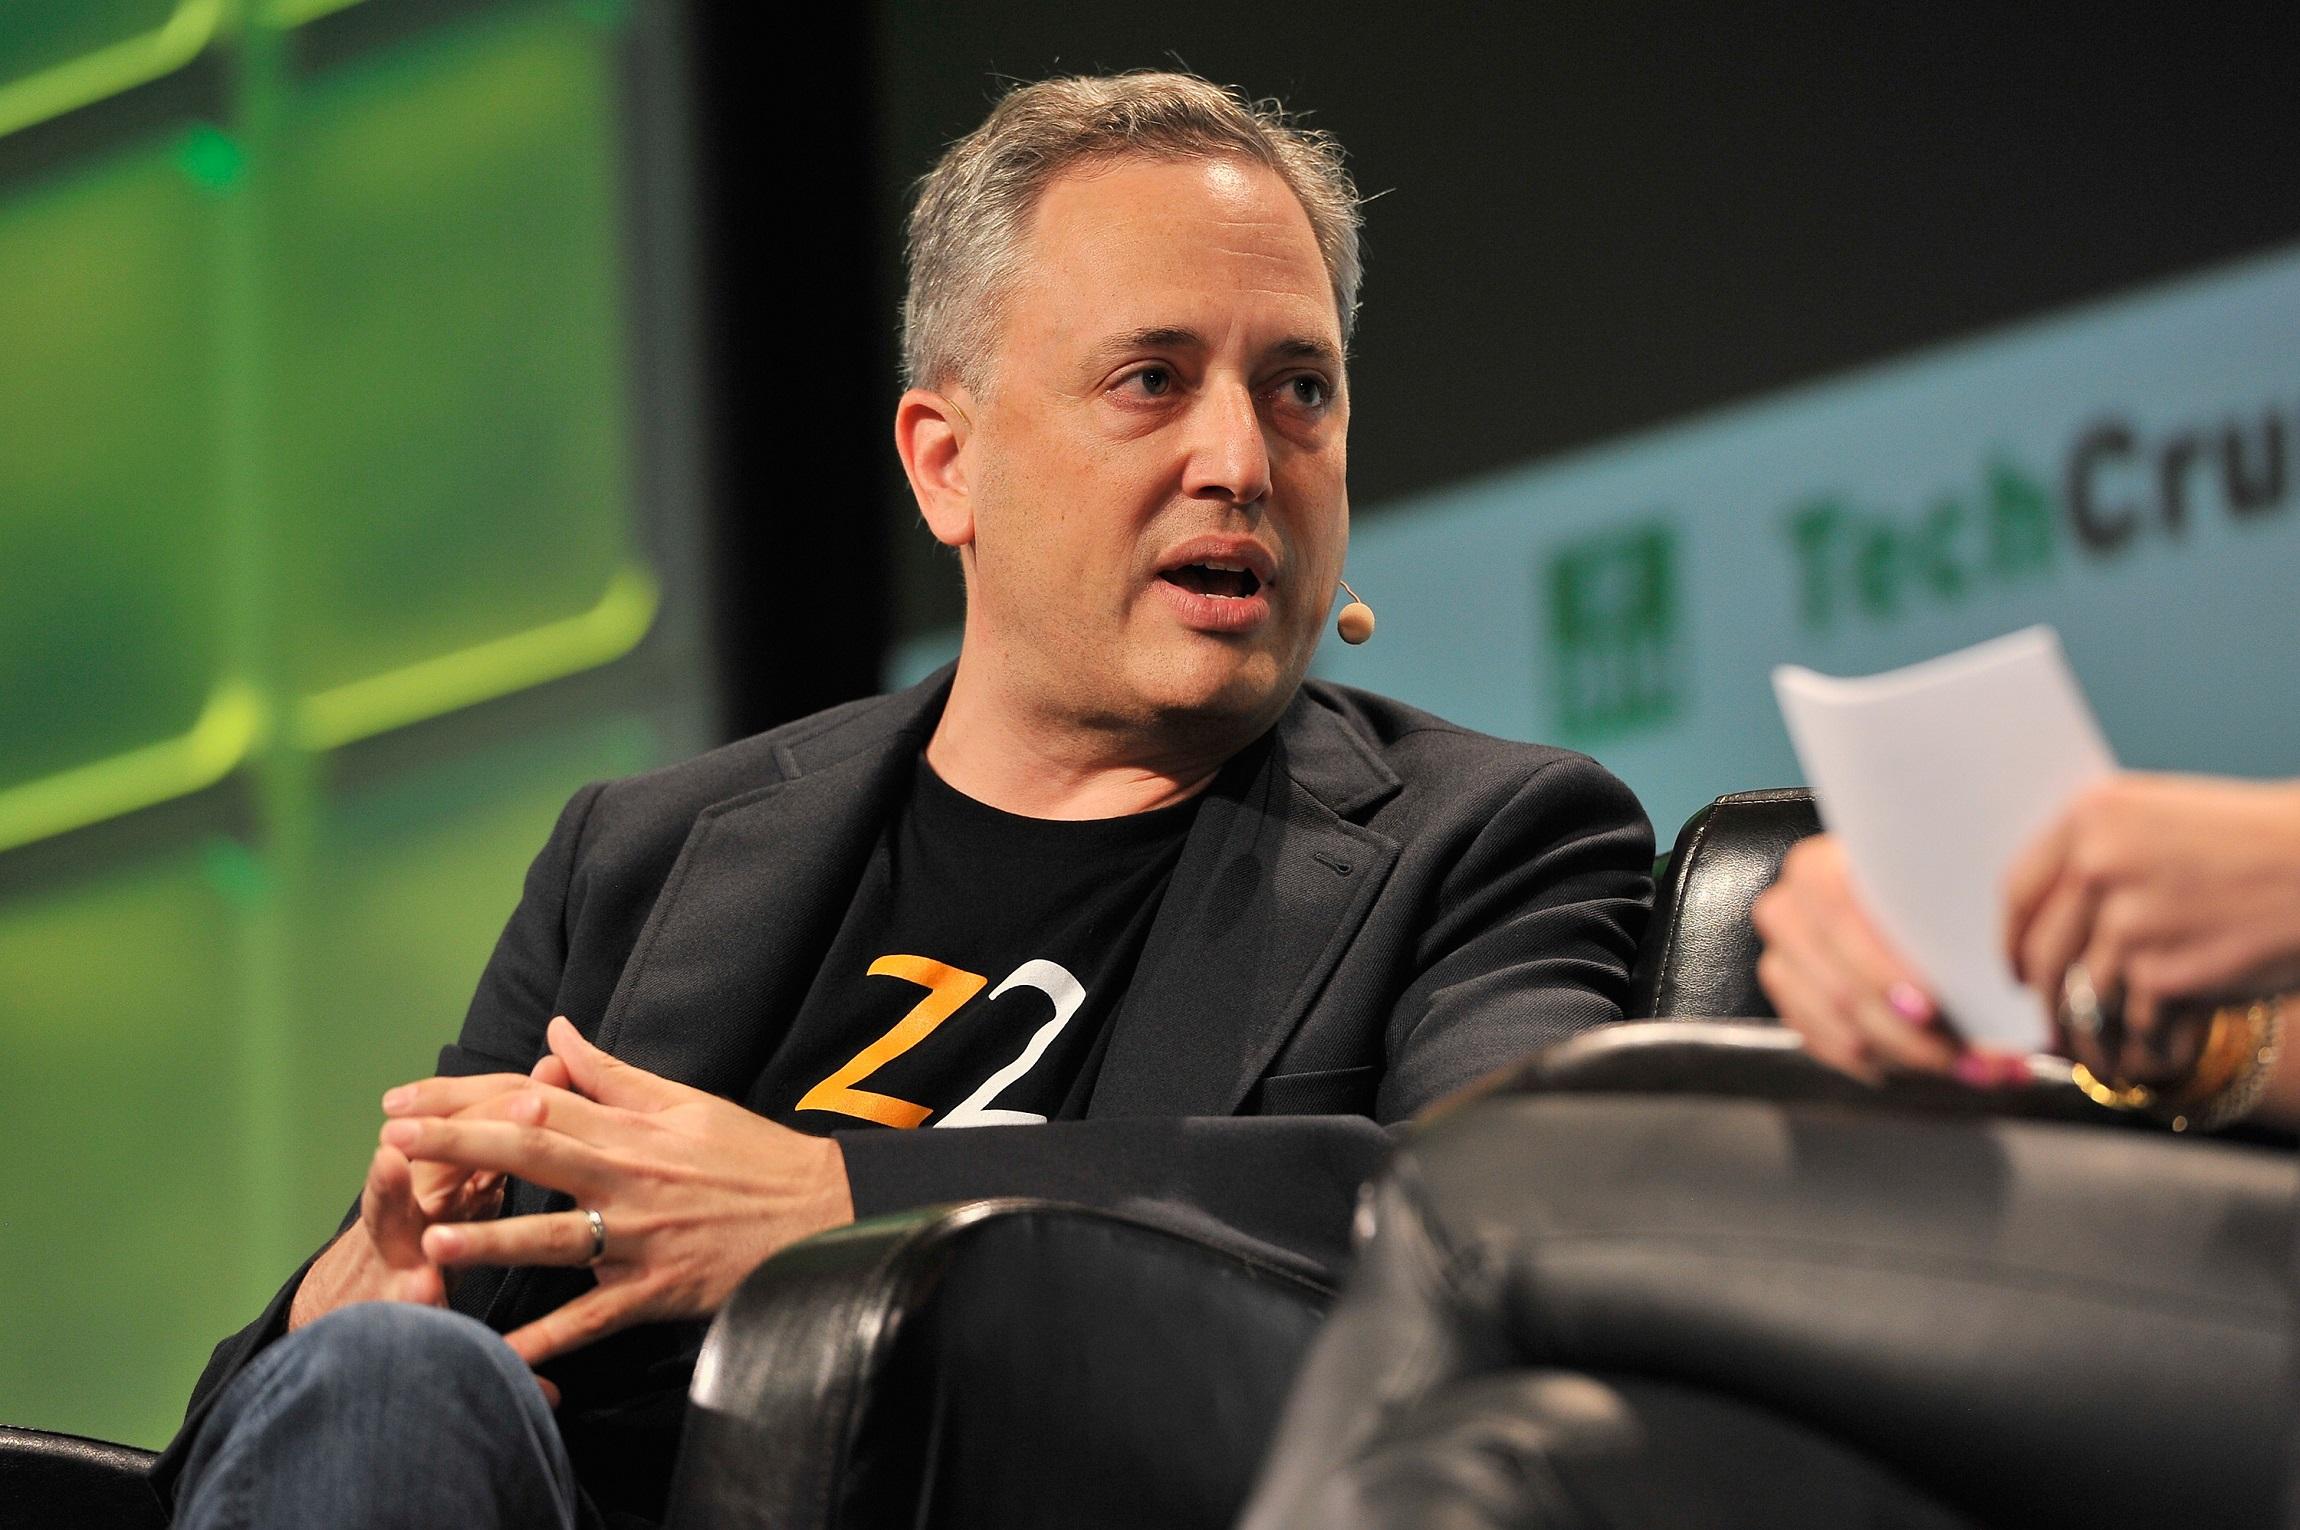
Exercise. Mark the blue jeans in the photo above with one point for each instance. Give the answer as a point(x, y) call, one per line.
point(380, 1415)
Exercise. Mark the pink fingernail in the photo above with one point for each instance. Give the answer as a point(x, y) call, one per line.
point(446, 1243)
point(400, 1133)
point(1911, 1003)
point(1984, 1070)
point(398, 1099)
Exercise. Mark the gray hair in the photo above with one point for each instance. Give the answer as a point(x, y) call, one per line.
point(973, 208)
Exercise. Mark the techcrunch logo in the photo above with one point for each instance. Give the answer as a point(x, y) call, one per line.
point(1877, 562)
point(2118, 487)
point(1616, 645)
point(1613, 600)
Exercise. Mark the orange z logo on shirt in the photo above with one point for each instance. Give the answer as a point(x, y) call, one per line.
point(947, 990)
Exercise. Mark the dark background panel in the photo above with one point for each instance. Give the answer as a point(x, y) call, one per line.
point(1587, 219)
point(795, 341)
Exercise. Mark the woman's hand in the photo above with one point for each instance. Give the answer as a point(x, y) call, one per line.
point(2149, 899)
point(2172, 892)
point(2169, 889)
point(1837, 982)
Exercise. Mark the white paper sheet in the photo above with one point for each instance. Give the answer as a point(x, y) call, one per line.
point(1934, 777)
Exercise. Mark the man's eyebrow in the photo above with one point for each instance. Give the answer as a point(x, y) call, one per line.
point(1303, 348)
point(1169, 337)
point(1158, 337)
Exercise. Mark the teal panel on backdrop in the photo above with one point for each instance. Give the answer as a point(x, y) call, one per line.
point(2129, 472)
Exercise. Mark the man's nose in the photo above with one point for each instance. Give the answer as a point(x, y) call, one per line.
point(1229, 454)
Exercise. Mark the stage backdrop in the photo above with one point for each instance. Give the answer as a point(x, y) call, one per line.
point(340, 539)
point(2128, 470)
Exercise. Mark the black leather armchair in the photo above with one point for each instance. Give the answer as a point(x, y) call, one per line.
point(1010, 1363)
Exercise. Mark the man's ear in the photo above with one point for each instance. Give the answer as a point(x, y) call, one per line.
point(930, 435)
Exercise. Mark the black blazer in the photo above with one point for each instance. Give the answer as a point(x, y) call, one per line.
point(1373, 908)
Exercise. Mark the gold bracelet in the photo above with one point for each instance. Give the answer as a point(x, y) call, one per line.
point(2114, 1096)
point(2256, 1036)
point(2231, 1073)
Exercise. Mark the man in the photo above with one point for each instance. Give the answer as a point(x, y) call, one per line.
point(1158, 922)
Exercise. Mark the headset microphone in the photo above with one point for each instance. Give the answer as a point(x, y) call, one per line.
point(1356, 621)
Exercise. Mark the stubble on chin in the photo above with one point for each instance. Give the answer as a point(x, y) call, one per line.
point(1155, 681)
point(1201, 688)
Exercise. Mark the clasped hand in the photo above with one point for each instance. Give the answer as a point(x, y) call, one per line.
point(694, 1190)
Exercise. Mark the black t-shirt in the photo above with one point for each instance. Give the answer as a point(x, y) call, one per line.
point(975, 976)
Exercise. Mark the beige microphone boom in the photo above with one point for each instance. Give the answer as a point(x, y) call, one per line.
point(1356, 621)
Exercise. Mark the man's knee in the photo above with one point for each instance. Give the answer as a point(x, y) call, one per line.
point(398, 1345)
point(420, 1376)
point(380, 1414)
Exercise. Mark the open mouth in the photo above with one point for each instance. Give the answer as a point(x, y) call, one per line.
point(1222, 580)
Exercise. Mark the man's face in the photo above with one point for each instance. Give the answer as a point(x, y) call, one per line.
point(1156, 476)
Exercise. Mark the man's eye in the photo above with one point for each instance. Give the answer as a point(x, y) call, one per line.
point(1308, 392)
point(1155, 381)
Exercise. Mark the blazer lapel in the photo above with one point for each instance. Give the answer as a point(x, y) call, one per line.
point(756, 897)
point(1272, 885)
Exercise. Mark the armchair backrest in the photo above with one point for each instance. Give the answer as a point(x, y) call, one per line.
point(1699, 958)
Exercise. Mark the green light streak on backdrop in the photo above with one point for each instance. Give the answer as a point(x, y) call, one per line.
point(60, 55)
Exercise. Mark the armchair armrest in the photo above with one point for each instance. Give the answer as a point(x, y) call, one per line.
point(1010, 1362)
point(1738, 1060)
point(1699, 956)
point(63, 1480)
point(2037, 1323)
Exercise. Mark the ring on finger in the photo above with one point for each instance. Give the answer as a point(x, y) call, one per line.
point(2092, 1011)
point(2080, 1007)
point(598, 1235)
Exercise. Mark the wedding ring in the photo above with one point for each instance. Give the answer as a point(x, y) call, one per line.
point(598, 1236)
